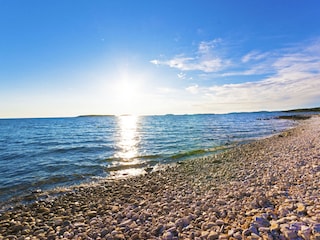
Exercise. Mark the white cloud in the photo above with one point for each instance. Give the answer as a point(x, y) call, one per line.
point(269, 94)
point(254, 70)
point(181, 75)
point(155, 62)
point(194, 89)
point(206, 47)
point(182, 63)
point(254, 56)
point(193, 64)
point(283, 79)
point(203, 60)
point(294, 83)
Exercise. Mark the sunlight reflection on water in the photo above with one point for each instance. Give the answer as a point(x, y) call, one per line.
point(127, 145)
point(128, 138)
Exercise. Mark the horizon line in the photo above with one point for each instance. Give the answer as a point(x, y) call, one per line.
point(312, 109)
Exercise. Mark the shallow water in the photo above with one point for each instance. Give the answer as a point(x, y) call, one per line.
point(52, 152)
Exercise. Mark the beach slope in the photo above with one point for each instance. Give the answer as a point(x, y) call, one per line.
point(267, 189)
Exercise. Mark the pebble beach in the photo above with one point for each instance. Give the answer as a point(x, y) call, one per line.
point(266, 189)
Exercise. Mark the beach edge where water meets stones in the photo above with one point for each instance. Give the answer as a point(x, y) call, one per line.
point(267, 189)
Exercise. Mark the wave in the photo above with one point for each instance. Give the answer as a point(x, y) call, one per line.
point(198, 153)
point(78, 149)
point(141, 157)
point(129, 166)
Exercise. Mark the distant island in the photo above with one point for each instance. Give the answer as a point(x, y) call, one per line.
point(317, 109)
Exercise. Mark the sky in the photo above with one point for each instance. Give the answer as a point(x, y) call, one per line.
point(148, 57)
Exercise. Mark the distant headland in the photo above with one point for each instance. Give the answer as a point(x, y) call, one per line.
point(316, 109)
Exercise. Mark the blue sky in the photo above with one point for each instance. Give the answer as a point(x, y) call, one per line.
point(66, 58)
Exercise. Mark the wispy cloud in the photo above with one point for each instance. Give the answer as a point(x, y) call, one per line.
point(205, 47)
point(203, 59)
point(302, 57)
point(181, 75)
point(192, 64)
point(277, 79)
point(294, 82)
point(254, 56)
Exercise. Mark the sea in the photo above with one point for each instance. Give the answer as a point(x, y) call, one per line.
point(41, 154)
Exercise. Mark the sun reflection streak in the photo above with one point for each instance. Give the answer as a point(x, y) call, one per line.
point(128, 138)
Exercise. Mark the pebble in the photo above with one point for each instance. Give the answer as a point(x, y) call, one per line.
point(267, 189)
point(219, 222)
point(213, 235)
point(92, 213)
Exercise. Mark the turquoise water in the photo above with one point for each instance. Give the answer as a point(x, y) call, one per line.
point(56, 152)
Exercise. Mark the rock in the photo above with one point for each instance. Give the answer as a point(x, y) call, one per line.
point(104, 232)
point(289, 233)
point(301, 208)
point(305, 232)
point(79, 224)
point(182, 222)
point(25, 232)
point(204, 234)
point(158, 230)
point(246, 233)
point(267, 236)
point(213, 235)
point(17, 228)
point(92, 214)
point(173, 231)
point(220, 222)
point(119, 236)
point(43, 210)
point(167, 236)
point(209, 225)
point(58, 221)
point(66, 223)
point(221, 202)
point(67, 235)
point(115, 209)
point(237, 235)
point(135, 236)
point(11, 237)
point(274, 225)
point(255, 236)
point(261, 222)
point(51, 237)
point(223, 237)
point(253, 229)
point(316, 228)
point(126, 223)
point(263, 229)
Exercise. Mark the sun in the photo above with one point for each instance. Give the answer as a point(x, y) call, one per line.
point(127, 96)
point(126, 90)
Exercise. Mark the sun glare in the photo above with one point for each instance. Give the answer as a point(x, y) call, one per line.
point(127, 92)
point(125, 97)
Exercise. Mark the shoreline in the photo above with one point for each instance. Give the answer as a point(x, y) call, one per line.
point(45, 165)
point(264, 189)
